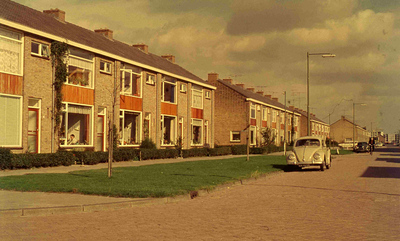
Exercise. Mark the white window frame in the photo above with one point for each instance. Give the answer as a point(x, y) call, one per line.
point(235, 133)
point(208, 94)
point(175, 131)
point(19, 144)
point(201, 132)
point(197, 91)
point(20, 41)
point(253, 141)
point(274, 116)
point(252, 110)
point(139, 131)
point(150, 78)
point(90, 61)
point(264, 114)
point(102, 113)
point(173, 83)
point(107, 67)
point(131, 73)
point(282, 117)
point(42, 48)
point(91, 129)
point(183, 88)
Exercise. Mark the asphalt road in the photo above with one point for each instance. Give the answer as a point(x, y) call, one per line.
point(358, 199)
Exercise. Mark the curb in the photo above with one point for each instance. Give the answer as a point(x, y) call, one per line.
point(45, 211)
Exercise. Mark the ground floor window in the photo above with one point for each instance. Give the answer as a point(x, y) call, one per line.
point(129, 128)
point(235, 136)
point(168, 125)
point(76, 125)
point(10, 120)
point(253, 135)
point(197, 125)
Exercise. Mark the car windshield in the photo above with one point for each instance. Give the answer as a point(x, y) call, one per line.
point(308, 142)
point(362, 144)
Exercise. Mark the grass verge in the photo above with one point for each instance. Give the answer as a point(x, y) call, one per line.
point(342, 152)
point(160, 180)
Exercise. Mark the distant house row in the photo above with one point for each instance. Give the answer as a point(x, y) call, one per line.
point(155, 98)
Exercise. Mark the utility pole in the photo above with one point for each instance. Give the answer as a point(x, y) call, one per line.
point(284, 136)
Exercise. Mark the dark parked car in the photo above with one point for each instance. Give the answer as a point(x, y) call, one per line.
point(361, 147)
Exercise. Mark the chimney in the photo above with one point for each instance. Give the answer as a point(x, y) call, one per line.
point(291, 107)
point(275, 99)
point(251, 89)
point(142, 47)
point(240, 85)
point(260, 93)
point(169, 57)
point(56, 13)
point(212, 78)
point(228, 80)
point(268, 96)
point(105, 32)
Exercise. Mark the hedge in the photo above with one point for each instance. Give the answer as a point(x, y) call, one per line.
point(195, 152)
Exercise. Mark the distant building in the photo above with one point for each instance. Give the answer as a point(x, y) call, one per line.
point(318, 127)
point(342, 131)
point(390, 138)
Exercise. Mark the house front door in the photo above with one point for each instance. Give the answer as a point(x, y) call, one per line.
point(33, 130)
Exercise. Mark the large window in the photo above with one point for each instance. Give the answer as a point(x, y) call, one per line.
point(168, 125)
point(10, 52)
point(274, 113)
point(129, 128)
point(197, 131)
point(169, 90)
point(76, 125)
point(197, 97)
point(252, 111)
point(130, 82)
point(10, 120)
point(264, 114)
point(80, 68)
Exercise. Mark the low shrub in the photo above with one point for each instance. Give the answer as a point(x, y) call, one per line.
point(24, 161)
point(5, 158)
point(220, 151)
point(126, 154)
point(147, 144)
point(239, 150)
point(149, 154)
point(257, 150)
point(195, 152)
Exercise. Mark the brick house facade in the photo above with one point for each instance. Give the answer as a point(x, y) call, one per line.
point(155, 97)
point(318, 127)
point(342, 131)
point(241, 112)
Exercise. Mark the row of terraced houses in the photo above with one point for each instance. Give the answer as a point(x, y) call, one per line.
point(156, 98)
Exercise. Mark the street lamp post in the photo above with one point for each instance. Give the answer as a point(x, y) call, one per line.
point(354, 121)
point(324, 55)
point(284, 136)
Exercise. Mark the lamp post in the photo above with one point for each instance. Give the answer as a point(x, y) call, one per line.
point(324, 55)
point(354, 121)
point(284, 136)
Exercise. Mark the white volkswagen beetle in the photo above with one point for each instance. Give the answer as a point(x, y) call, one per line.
point(310, 151)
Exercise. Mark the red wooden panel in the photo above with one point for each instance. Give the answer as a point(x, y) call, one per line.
point(282, 126)
point(131, 103)
point(197, 113)
point(169, 109)
point(78, 95)
point(273, 125)
point(264, 124)
point(10, 84)
point(253, 122)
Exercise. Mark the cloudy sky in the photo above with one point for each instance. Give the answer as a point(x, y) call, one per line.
point(264, 44)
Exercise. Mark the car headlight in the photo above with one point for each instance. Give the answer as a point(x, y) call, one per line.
point(291, 157)
point(317, 156)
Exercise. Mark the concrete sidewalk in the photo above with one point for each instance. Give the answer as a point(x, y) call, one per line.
point(16, 203)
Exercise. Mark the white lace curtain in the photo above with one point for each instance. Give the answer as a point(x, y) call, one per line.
point(10, 52)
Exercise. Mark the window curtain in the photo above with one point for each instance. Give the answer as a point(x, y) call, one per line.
point(10, 120)
point(10, 52)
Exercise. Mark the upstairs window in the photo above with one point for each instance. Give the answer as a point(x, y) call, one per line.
point(197, 97)
point(264, 114)
point(274, 114)
point(105, 67)
point(169, 90)
point(130, 82)
point(150, 79)
point(252, 111)
point(80, 68)
point(10, 52)
point(208, 94)
point(39, 49)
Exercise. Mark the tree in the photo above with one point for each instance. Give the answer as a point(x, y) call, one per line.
point(268, 137)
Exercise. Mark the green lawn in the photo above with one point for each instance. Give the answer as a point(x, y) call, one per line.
point(159, 180)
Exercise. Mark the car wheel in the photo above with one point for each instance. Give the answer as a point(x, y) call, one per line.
point(322, 167)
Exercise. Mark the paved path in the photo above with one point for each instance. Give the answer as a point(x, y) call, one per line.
point(358, 199)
